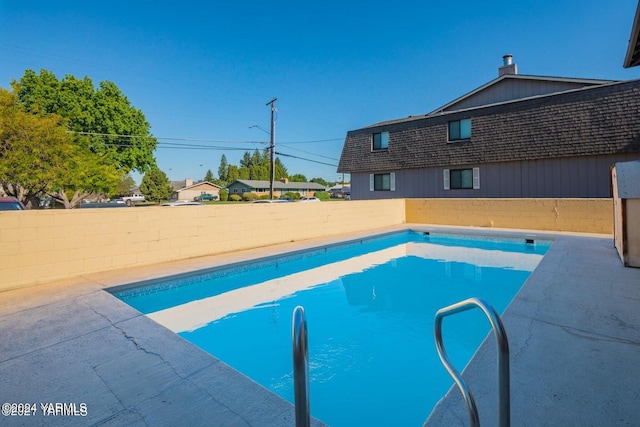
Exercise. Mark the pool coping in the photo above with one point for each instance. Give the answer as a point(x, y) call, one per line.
point(86, 346)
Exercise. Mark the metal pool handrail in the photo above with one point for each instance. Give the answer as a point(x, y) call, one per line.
point(300, 367)
point(504, 405)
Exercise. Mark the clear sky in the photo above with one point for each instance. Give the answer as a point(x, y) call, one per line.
point(202, 71)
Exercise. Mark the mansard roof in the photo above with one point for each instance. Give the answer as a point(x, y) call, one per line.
point(592, 120)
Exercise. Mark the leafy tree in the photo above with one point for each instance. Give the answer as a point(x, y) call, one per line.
point(298, 178)
point(233, 173)
point(244, 172)
point(223, 169)
point(320, 181)
point(246, 160)
point(33, 149)
point(224, 195)
point(156, 186)
point(85, 173)
point(102, 116)
point(126, 186)
point(280, 170)
point(209, 176)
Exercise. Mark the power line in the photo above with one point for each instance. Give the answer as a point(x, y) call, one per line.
point(302, 158)
point(177, 145)
point(166, 138)
point(308, 152)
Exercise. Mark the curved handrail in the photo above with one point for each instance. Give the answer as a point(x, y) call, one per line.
point(300, 367)
point(504, 405)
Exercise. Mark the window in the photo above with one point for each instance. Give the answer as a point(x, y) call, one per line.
point(382, 182)
point(460, 129)
point(458, 179)
point(381, 141)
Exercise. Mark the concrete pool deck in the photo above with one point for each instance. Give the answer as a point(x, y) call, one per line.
point(574, 332)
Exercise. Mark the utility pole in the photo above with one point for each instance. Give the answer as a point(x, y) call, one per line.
point(272, 146)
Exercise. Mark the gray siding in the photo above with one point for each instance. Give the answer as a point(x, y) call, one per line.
point(510, 89)
point(579, 177)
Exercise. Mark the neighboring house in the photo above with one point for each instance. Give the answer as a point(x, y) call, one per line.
point(339, 191)
point(305, 189)
point(517, 136)
point(187, 190)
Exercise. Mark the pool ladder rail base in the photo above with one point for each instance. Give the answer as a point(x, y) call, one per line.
point(504, 405)
point(300, 367)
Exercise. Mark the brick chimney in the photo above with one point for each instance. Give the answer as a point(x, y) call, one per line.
point(284, 180)
point(188, 182)
point(508, 66)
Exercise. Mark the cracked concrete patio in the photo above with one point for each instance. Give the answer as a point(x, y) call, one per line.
point(573, 329)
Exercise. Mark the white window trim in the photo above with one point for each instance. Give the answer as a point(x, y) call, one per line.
point(392, 182)
point(476, 179)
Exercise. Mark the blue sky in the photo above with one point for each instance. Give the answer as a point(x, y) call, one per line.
point(205, 70)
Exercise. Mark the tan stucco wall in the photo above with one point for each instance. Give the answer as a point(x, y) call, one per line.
point(579, 215)
point(43, 245)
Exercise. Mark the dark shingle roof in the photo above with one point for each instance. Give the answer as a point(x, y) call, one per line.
point(595, 120)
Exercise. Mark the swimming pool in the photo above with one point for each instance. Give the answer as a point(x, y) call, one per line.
point(369, 305)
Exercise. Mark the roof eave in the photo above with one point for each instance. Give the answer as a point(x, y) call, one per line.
point(632, 57)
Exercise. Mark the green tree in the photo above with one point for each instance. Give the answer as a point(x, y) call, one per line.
point(85, 173)
point(246, 160)
point(223, 169)
point(33, 149)
point(224, 194)
point(233, 173)
point(244, 172)
point(320, 181)
point(156, 186)
point(298, 178)
point(125, 186)
point(209, 176)
point(102, 116)
point(280, 169)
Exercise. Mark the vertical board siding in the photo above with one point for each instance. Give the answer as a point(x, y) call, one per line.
point(571, 177)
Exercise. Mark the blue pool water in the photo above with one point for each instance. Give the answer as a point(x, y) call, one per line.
point(370, 307)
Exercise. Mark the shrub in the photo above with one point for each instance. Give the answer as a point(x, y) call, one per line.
point(224, 195)
point(322, 195)
point(235, 198)
point(264, 197)
point(290, 195)
point(249, 197)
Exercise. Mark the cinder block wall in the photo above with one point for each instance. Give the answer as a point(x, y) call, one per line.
point(43, 245)
point(578, 215)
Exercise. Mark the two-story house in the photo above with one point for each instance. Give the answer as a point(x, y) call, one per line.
point(518, 136)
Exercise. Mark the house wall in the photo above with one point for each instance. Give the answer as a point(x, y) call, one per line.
point(509, 89)
point(570, 177)
point(578, 215)
point(42, 245)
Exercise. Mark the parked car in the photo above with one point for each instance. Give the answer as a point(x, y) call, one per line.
point(11, 204)
point(102, 205)
point(271, 201)
point(131, 199)
point(205, 198)
point(182, 203)
point(309, 199)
